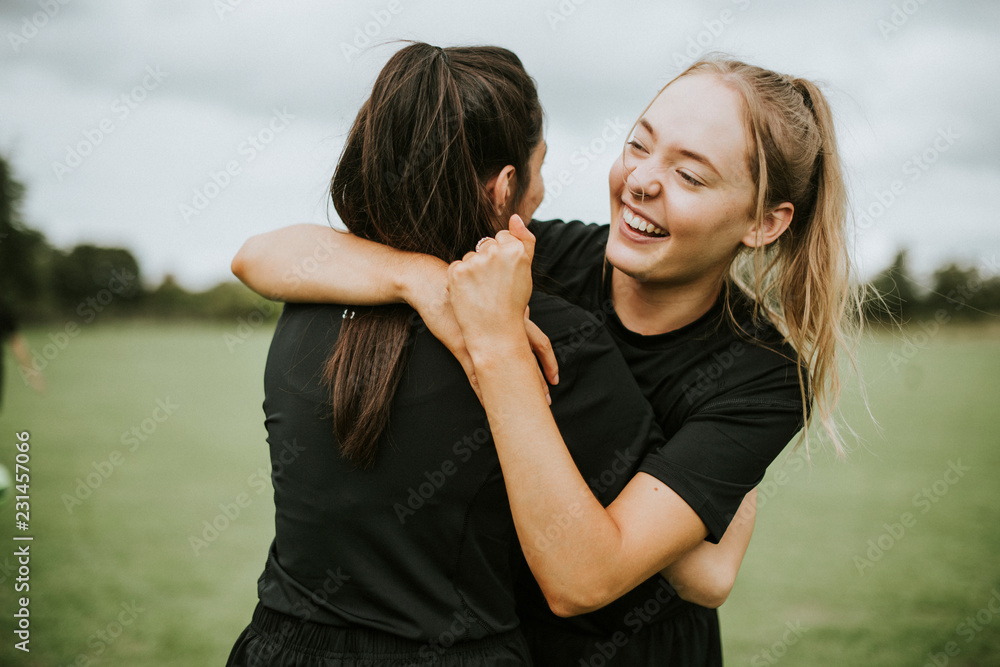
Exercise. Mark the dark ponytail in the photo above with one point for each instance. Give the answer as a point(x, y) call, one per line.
point(438, 124)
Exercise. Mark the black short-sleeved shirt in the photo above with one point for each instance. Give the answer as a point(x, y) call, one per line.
point(422, 545)
point(727, 402)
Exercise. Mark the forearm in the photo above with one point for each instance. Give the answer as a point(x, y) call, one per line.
point(567, 537)
point(20, 349)
point(582, 554)
point(706, 574)
point(311, 263)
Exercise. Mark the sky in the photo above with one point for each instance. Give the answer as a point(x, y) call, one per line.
point(179, 129)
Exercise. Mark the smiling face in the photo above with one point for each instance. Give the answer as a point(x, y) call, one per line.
point(688, 157)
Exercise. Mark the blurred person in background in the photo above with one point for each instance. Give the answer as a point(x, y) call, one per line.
point(10, 333)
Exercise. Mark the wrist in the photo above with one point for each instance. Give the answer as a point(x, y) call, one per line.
point(414, 274)
point(500, 349)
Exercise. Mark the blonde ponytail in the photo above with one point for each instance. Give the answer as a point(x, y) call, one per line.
point(803, 281)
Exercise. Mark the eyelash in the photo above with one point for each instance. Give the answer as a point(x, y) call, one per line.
point(691, 180)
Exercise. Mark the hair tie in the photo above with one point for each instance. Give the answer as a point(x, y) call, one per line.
point(444, 54)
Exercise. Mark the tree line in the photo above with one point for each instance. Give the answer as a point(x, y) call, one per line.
point(40, 282)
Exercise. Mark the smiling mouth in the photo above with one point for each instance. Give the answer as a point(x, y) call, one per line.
point(641, 225)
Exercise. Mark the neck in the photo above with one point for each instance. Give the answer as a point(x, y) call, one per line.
point(648, 308)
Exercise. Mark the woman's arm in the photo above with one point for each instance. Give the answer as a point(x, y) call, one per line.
point(19, 347)
point(706, 574)
point(312, 263)
point(601, 553)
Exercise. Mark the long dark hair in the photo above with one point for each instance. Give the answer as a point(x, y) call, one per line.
point(438, 125)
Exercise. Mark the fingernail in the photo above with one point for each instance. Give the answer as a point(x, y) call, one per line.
point(548, 399)
point(555, 380)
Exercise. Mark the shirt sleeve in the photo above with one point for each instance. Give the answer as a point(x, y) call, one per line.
point(721, 452)
point(569, 259)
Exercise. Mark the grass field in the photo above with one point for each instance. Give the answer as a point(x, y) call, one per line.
point(149, 435)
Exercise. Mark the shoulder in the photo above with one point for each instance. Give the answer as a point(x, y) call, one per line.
point(571, 229)
point(312, 320)
point(303, 337)
point(560, 319)
point(741, 363)
point(569, 259)
point(765, 349)
point(573, 241)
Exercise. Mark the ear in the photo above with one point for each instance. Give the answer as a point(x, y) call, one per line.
point(501, 188)
point(774, 225)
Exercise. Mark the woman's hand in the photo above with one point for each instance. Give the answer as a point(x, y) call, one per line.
point(489, 292)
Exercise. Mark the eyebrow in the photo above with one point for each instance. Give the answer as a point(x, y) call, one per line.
point(697, 157)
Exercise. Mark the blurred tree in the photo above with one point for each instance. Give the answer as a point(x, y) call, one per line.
point(93, 272)
point(894, 298)
point(962, 292)
point(24, 252)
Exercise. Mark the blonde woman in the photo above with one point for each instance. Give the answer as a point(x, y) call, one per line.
point(724, 279)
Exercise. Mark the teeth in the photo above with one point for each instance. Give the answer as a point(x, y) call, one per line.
point(635, 222)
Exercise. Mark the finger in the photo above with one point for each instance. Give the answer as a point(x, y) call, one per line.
point(504, 237)
point(475, 388)
point(485, 243)
point(542, 348)
point(545, 387)
point(470, 373)
point(520, 231)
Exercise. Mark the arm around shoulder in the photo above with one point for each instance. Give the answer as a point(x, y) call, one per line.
point(313, 263)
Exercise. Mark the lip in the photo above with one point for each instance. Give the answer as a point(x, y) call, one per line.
point(631, 234)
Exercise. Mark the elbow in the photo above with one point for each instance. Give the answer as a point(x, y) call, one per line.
point(243, 259)
point(236, 266)
point(251, 267)
point(564, 607)
point(711, 592)
point(711, 600)
point(575, 600)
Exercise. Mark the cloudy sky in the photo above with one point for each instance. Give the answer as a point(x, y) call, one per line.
point(177, 129)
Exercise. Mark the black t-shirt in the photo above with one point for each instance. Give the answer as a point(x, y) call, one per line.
point(422, 545)
point(727, 402)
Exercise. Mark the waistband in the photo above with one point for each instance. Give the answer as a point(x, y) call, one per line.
point(321, 638)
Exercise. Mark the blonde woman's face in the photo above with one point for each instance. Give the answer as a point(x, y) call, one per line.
point(688, 157)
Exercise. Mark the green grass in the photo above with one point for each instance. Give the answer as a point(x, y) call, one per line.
point(128, 543)
point(935, 406)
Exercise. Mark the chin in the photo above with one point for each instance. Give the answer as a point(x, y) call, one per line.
point(621, 262)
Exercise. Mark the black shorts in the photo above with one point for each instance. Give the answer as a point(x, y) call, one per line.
point(274, 639)
point(689, 638)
